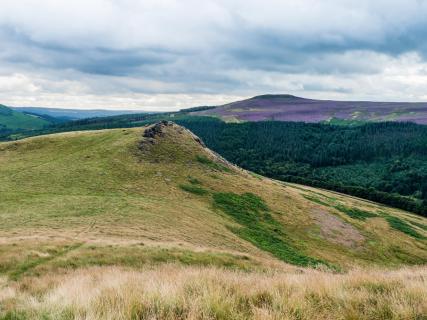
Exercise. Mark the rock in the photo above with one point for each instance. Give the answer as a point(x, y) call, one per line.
point(157, 129)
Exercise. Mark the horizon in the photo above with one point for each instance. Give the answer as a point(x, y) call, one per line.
point(151, 110)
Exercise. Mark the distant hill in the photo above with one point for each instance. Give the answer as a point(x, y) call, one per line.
point(73, 114)
point(291, 108)
point(11, 120)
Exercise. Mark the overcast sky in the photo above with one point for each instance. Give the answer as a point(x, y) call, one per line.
point(164, 55)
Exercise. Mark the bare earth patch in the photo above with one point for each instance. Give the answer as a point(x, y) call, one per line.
point(335, 230)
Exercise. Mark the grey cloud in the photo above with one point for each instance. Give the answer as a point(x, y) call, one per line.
point(169, 47)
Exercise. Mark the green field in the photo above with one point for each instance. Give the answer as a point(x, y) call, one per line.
point(14, 120)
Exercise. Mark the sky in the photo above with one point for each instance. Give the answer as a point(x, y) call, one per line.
point(160, 55)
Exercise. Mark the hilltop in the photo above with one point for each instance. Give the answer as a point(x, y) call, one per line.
point(141, 197)
point(291, 108)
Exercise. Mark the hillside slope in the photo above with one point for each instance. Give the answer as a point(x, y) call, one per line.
point(116, 187)
point(147, 223)
point(14, 120)
point(290, 108)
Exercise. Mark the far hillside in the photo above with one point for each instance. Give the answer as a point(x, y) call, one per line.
point(65, 114)
point(11, 120)
point(283, 107)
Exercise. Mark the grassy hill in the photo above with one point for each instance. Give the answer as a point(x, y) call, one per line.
point(14, 120)
point(72, 114)
point(90, 218)
point(383, 162)
point(284, 107)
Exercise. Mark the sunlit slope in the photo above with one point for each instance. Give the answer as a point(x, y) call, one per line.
point(115, 197)
point(14, 120)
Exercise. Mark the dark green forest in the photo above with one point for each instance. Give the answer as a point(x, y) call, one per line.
point(383, 162)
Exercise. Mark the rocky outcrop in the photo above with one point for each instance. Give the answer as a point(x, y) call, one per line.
point(157, 129)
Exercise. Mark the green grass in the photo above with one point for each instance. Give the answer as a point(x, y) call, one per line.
point(211, 164)
point(419, 225)
point(316, 200)
point(194, 189)
point(71, 257)
point(259, 227)
point(402, 226)
point(14, 120)
point(139, 256)
point(355, 213)
point(193, 180)
point(27, 266)
point(14, 315)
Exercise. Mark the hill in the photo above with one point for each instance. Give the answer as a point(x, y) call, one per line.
point(291, 108)
point(11, 120)
point(383, 162)
point(82, 211)
point(72, 114)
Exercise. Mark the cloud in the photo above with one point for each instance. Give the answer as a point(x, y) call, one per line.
point(161, 53)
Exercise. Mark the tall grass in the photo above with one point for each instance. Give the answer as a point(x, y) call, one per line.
point(176, 292)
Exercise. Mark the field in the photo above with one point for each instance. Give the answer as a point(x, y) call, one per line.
point(160, 227)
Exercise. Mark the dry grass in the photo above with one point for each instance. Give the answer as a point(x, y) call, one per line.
point(175, 292)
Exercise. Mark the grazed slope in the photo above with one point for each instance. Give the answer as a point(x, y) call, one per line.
point(70, 196)
point(14, 120)
point(86, 216)
point(291, 108)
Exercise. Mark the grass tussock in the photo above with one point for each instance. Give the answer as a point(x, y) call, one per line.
point(173, 292)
